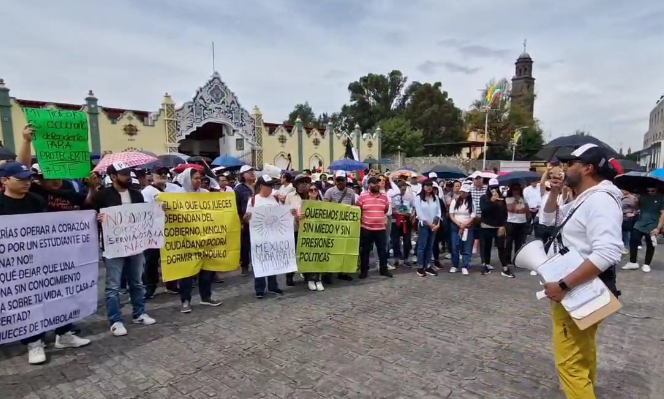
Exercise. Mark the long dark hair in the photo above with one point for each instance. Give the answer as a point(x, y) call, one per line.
point(468, 201)
point(423, 194)
point(517, 186)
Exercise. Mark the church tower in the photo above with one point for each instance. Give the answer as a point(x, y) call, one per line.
point(523, 82)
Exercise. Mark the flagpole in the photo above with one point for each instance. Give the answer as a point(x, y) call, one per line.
point(486, 134)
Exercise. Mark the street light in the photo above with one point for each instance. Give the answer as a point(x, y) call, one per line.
point(399, 149)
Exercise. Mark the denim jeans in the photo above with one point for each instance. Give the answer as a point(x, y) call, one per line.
point(114, 267)
point(204, 286)
point(425, 238)
point(465, 248)
point(396, 234)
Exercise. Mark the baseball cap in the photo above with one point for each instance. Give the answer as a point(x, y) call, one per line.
point(36, 169)
point(466, 188)
point(493, 182)
point(160, 169)
point(117, 167)
point(433, 175)
point(16, 170)
point(246, 168)
point(340, 173)
point(589, 154)
point(302, 178)
point(265, 180)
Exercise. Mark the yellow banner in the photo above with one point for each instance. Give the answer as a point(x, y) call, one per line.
point(202, 232)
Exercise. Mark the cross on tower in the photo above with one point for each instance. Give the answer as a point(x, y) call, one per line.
point(525, 41)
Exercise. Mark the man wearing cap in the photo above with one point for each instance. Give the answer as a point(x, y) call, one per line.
point(159, 185)
point(374, 206)
point(16, 199)
point(340, 193)
point(120, 193)
point(243, 192)
point(591, 225)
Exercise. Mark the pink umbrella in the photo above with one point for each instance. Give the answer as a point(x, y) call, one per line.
point(129, 158)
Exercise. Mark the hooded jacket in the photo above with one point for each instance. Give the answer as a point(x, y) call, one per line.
point(184, 179)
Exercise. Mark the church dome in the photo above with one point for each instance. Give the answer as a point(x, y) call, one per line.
point(524, 56)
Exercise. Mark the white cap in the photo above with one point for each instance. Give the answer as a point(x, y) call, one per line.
point(132, 174)
point(414, 174)
point(340, 173)
point(36, 168)
point(433, 175)
point(120, 166)
point(493, 182)
point(246, 168)
point(466, 188)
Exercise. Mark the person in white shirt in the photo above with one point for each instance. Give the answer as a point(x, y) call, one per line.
point(159, 185)
point(414, 185)
point(462, 215)
point(286, 186)
point(427, 209)
point(593, 227)
point(518, 212)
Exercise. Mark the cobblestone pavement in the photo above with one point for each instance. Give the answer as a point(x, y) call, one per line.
point(449, 336)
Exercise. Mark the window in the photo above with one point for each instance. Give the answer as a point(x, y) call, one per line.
point(239, 144)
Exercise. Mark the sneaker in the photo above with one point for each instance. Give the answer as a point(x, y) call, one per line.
point(185, 307)
point(210, 302)
point(486, 271)
point(464, 271)
point(118, 329)
point(448, 256)
point(390, 267)
point(69, 340)
point(421, 272)
point(277, 291)
point(645, 268)
point(430, 271)
point(145, 320)
point(386, 274)
point(260, 295)
point(453, 269)
point(311, 285)
point(625, 251)
point(533, 273)
point(631, 266)
point(36, 354)
point(507, 273)
point(319, 286)
point(173, 292)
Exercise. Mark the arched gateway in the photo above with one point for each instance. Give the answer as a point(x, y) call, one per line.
point(213, 123)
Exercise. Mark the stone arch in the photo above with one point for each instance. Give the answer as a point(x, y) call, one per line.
point(281, 161)
point(315, 161)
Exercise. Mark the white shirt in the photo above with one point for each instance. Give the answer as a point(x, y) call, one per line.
point(427, 211)
point(284, 190)
point(595, 228)
point(461, 215)
point(397, 200)
point(533, 196)
point(513, 217)
point(150, 193)
point(416, 188)
point(125, 197)
point(227, 189)
point(261, 201)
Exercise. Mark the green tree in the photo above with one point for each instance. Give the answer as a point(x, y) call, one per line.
point(530, 142)
point(305, 113)
point(374, 98)
point(429, 109)
point(398, 132)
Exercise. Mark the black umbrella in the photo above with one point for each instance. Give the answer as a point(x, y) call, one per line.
point(566, 144)
point(638, 182)
point(167, 160)
point(628, 165)
point(6, 155)
point(446, 172)
point(522, 177)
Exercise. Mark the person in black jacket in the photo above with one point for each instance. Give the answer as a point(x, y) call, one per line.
point(492, 228)
point(120, 193)
point(243, 192)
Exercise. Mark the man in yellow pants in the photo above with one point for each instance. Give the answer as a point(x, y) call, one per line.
point(591, 225)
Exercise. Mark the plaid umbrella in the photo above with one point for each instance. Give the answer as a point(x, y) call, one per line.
point(130, 158)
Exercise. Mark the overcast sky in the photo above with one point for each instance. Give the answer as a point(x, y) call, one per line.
point(598, 63)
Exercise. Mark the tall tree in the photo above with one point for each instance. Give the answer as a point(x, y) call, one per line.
point(374, 98)
point(400, 136)
point(305, 113)
point(429, 109)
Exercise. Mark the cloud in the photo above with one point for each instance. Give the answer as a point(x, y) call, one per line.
point(276, 54)
point(431, 67)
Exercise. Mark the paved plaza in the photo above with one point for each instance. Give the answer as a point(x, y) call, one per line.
point(449, 336)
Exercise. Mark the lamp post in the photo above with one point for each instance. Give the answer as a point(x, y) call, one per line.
point(399, 162)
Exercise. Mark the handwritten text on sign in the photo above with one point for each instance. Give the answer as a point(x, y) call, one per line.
point(131, 229)
point(61, 142)
point(272, 240)
point(328, 238)
point(202, 231)
point(48, 271)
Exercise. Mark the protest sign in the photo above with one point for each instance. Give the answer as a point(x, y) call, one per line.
point(272, 240)
point(328, 238)
point(49, 265)
point(202, 231)
point(61, 142)
point(131, 229)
